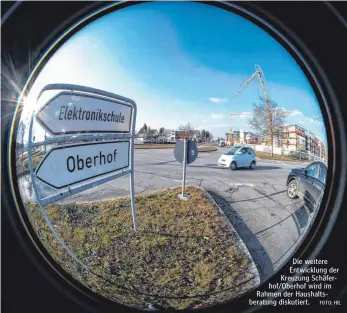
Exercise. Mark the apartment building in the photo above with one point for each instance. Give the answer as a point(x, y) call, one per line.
point(293, 138)
point(236, 136)
point(148, 134)
point(296, 138)
point(170, 134)
point(252, 138)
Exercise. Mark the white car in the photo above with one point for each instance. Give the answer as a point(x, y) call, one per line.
point(238, 156)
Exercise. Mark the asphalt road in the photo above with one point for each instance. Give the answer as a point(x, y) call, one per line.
point(255, 201)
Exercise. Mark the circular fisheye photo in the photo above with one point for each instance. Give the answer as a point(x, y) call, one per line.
point(169, 161)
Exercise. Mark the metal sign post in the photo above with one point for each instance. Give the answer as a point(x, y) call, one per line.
point(183, 195)
point(109, 121)
point(185, 152)
point(132, 156)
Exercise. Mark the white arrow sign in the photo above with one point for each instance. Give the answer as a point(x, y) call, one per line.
point(74, 112)
point(65, 166)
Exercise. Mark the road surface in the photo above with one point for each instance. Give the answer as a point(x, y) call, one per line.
point(255, 201)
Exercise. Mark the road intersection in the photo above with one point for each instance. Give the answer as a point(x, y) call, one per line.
point(255, 201)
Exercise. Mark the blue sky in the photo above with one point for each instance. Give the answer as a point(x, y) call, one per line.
point(183, 62)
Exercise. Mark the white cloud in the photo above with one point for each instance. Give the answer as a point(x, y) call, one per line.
point(216, 116)
point(292, 112)
point(295, 112)
point(220, 125)
point(314, 121)
point(244, 115)
point(218, 100)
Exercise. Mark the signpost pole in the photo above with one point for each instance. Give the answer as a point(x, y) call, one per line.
point(38, 196)
point(186, 151)
point(49, 118)
point(132, 178)
point(132, 189)
point(184, 167)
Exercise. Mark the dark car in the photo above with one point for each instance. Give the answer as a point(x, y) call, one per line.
point(308, 184)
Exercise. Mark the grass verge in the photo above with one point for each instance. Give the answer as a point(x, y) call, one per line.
point(183, 255)
point(268, 156)
point(171, 146)
point(207, 148)
point(155, 146)
point(24, 166)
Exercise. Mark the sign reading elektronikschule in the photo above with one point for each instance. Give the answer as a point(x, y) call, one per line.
point(72, 112)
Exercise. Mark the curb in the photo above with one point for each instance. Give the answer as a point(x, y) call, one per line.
point(253, 267)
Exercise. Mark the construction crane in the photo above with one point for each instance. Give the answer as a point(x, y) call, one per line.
point(258, 73)
point(230, 137)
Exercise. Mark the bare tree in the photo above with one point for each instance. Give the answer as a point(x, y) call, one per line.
point(203, 135)
point(186, 130)
point(206, 135)
point(148, 132)
point(143, 129)
point(161, 134)
point(267, 120)
point(210, 136)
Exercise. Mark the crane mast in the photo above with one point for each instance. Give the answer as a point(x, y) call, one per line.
point(230, 140)
point(259, 73)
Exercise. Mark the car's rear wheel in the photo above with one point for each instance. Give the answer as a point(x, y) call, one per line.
point(233, 166)
point(292, 190)
point(252, 166)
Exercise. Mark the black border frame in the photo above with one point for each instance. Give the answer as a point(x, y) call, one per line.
point(323, 77)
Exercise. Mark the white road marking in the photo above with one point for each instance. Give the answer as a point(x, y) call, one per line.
point(298, 163)
point(179, 181)
point(283, 163)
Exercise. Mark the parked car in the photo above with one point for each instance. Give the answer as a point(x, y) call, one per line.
point(221, 144)
point(238, 156)
point(308, 184)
